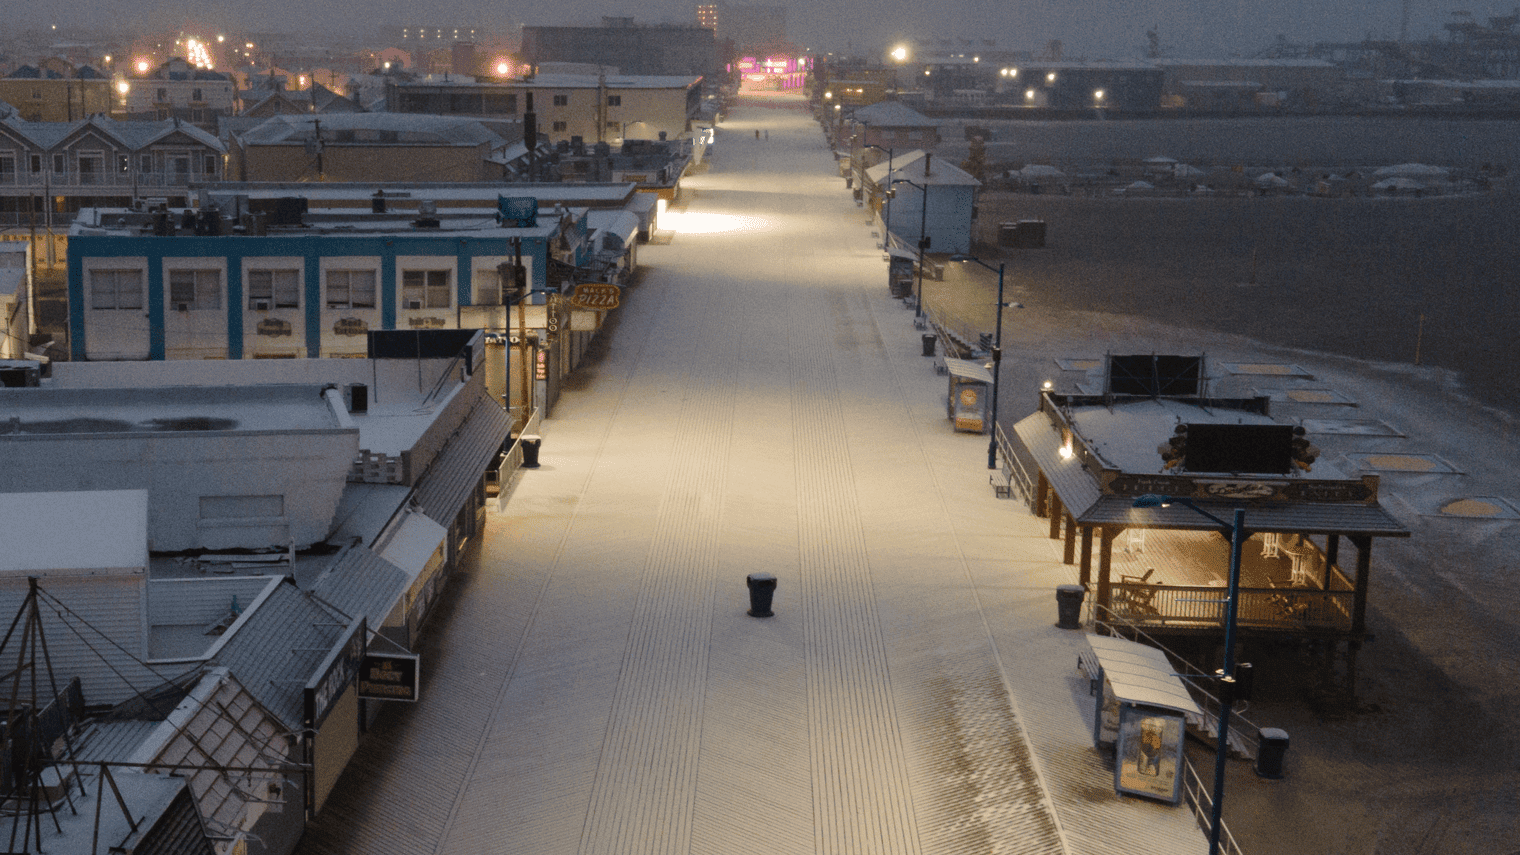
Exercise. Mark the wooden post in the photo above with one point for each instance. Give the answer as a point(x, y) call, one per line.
point(1041, 495)
point(1069, 549)
point(1363, 544)
point(1087, 536)
point(1105, 561)
point(1056, 512)
point(1332, 555)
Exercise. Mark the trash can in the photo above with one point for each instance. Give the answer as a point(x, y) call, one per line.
point(929, 341)
point(530, 444)
point(762, 587)
point(1269, 756)
point(1069, 606)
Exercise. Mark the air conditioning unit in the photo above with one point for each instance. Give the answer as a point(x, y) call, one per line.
point(413, 304)
point(261, 305)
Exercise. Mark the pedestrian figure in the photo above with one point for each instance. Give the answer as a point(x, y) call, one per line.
point(767, 133)
point(757, 133)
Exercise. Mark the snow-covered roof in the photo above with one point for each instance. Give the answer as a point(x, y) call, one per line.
point(892, 114)
point(940, 173)
point(133, 135)
point(368, 128)
point(878, 173)
point(612, 81)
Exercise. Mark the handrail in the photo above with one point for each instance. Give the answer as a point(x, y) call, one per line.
point(511, 461)
point(1201, 801)
point(1262, 608)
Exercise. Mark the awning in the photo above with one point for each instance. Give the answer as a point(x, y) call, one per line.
point(968, 369)
point(413, 544)
point(446, 484)
point(1141, 675)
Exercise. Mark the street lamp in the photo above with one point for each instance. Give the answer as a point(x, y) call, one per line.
point(997, 351)
point(923, 244)
point(1238, 534)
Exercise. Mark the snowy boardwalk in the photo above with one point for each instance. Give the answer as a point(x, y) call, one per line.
point(595, 686)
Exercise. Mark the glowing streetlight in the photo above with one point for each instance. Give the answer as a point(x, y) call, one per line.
point(997, 355)
point(1236, 530)
point(503, 68)
point(900, 53)
point(1051, 77)
point(143, 66)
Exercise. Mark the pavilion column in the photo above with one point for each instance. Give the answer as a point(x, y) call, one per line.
point(1363, 545)
point(1041, 495)
point(1069, 549)
point(1332, 555)
point(1087, 536)
point(1105, 561)
point(1057, 511)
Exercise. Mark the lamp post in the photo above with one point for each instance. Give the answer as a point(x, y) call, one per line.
point(997, 351)
point(923, 244)
point(1238, 534)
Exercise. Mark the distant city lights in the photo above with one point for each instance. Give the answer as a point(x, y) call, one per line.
point(197, 53)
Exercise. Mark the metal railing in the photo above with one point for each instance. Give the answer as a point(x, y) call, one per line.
point(1201, 801)
point(1260, 608)
point(502, 475)
point(62, 182)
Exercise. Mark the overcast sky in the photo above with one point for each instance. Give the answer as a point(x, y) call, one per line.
point(1093, 29)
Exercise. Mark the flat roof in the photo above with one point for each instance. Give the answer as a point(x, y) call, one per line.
point(89, 530)
point(166, 410)
point(1126, 434)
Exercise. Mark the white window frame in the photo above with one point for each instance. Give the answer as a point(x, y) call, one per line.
point(486, 287)
point(347, 275)
point(204, 286)
point(273, 288)
point(427, 289)
point(120, 287)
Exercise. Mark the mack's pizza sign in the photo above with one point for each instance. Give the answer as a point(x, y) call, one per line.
point(595, 295)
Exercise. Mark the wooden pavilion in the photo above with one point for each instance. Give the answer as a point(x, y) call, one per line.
point(1164, 570)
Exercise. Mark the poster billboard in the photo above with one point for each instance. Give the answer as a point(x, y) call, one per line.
point(1148, 754)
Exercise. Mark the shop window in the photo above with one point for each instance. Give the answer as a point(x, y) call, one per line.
point(561, 100)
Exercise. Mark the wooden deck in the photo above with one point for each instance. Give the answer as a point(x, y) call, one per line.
point(1282, 585)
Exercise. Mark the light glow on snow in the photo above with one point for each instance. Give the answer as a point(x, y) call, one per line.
point(691, 223)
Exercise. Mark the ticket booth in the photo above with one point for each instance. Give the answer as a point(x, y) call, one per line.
point(900, 273)
point(970, 394)
point(1141, 713)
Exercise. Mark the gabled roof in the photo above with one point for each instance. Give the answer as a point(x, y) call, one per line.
point(940, 173)
point(892, 114)
point(878, 173)
point(130, 135)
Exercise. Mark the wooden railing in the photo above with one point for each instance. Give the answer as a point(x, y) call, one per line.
point(1259, 608)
